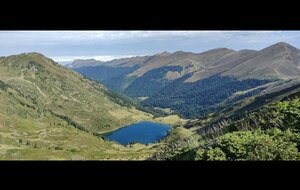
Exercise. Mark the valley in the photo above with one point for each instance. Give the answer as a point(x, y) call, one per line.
point(193, 85)
point(219, 104)
point(50, 112)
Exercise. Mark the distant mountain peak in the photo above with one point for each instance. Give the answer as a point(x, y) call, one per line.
point(223, 49)
point(84, 62)
point(281, 46)
point(164, 53)
point(180, 53)
point(217, 50)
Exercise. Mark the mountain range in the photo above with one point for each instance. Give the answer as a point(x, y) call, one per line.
point(196, 84)
point(237, 105)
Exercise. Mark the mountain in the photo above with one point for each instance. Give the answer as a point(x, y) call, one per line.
point(43, 84)
point(187, 60)
point(241, 105)
point(50, 112)
point(221, 65)
point(196, 84)
point(280, 60)
point(123, 62)
point(84, 62)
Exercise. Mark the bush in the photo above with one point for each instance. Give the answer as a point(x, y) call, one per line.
point(210, 154)
point(215, 154)
point(200, 154)
point(258, 145)
point(291, 113)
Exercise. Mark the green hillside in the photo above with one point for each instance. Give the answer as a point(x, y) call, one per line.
point(269, 133)
point(50, 112)
point(196, 84)
point(46, 87)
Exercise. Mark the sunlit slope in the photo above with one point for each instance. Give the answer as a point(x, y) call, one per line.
point(35, 86)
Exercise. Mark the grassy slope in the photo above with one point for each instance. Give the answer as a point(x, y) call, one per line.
point(27, 134)
point(30, 140)
point(42, 103)
point(49, 86)
point(269, 133)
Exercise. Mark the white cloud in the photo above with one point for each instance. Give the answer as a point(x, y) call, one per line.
point(83, 43)
point(60, 37)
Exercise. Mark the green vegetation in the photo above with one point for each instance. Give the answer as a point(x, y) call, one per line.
point(112, 77)
point(260, 145)
point(188, 99)
point(37, 82)
point(31, 140)
point(272, 144)
point(50, 112)
point(236, 98)
point(196, 84)
point(151, 82)
point(281, 114)
point(192, 100)
point(271, 133)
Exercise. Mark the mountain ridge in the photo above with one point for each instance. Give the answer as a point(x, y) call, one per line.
point(204, 63)
point(246, 73)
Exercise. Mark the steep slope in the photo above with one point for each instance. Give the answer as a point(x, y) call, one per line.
point(276, 92)
point(280, 60)
point(151, 82)
point(129, 62)
point(268, 133)
point(223, 64)
point(113, 73)
point(46, 87)
point(104, 74)
point(119, 74)
point(195, 84)
point(30, 132)
point(50, 112)
point(187, 60)
point(195, 99)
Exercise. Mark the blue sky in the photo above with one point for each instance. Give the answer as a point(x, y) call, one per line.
point(105, 45)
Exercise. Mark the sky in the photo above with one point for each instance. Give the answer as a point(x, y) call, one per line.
point(65, 46)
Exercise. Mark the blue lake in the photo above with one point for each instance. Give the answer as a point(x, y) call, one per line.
point(143, 132)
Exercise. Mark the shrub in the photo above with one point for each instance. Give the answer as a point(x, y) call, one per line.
point(215, 154)
point(258, 145)
point(200, 154)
